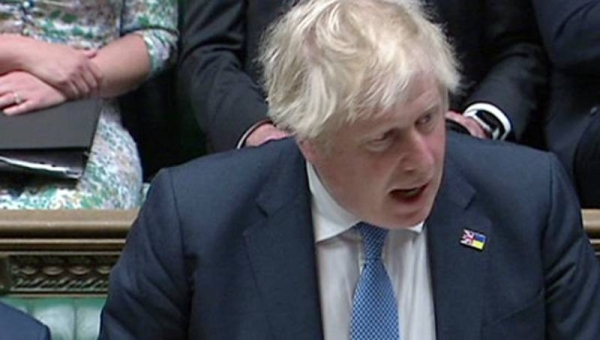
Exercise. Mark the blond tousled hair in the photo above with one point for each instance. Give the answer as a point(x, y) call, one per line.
point(330, 62)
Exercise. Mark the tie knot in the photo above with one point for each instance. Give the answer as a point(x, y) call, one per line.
point(373, 239)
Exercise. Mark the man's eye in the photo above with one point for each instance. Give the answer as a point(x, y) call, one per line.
point(380, 138)
point(426, 119)
point(383, 137)
point(380, 142)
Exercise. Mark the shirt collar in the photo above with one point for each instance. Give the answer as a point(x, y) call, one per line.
point(329, 218)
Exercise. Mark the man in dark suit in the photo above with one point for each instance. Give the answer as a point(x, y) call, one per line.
point(367, 224)
point(16, 325)
point(571, 32)
point(502, 67)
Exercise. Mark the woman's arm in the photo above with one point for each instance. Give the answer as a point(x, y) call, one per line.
point(124, 64)
point(63, 67)
point(147, 45)
point(8, 53)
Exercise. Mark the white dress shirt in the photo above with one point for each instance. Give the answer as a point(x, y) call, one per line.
point(340, 259)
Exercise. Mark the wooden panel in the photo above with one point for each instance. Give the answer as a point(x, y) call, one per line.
point(60, 251)
point(71, 251)
point(591, 222)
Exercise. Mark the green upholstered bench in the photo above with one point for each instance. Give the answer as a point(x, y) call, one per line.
point(69, 318)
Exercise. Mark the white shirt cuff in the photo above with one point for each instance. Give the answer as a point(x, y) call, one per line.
point(493, 110)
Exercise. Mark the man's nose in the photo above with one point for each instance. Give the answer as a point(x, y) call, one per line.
point(416, 156)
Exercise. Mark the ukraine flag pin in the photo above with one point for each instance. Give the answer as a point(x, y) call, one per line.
point(473, 239)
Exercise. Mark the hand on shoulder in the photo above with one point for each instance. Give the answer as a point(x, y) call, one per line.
point(469, 123)
point(263, 134)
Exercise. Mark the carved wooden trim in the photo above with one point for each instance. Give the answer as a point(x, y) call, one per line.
point(56, 273)
point(60, 252)
point(71, 251)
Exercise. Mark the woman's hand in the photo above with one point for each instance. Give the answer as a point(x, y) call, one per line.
point(21, 92)
point(68, 69)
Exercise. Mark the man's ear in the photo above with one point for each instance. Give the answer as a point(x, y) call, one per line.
point(308, 149)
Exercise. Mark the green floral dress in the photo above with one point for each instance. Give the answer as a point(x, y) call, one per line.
point(113, 176)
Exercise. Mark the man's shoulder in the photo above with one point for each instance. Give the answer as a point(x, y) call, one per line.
point(229, 184)
point(241, 173)
point(499, 156)
point(239, 163)
point(502, 168)
point(18, 325)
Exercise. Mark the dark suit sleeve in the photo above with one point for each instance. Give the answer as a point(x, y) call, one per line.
point(224, 99)
point(17, 325)
point(149, 293)
point(571, 33)
point(516, 78)
point(44, 333)
point(572, 273)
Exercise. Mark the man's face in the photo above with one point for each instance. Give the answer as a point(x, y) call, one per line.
point(386, 170)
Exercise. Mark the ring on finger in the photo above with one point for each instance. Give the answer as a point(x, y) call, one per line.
point(17, 98)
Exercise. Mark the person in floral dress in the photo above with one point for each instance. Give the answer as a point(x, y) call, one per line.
point(52, 51)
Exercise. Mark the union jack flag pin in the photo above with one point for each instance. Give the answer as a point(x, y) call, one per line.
point(473, 239)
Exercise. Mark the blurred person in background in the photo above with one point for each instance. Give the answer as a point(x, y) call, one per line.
point(571, 33)
point(502, 66)
point(56, 51)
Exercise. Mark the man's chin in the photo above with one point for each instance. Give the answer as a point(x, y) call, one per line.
point(409, 219)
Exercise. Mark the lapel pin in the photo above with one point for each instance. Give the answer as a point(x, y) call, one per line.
point(473, 239)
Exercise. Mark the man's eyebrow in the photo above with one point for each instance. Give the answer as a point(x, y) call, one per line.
point(434, 106)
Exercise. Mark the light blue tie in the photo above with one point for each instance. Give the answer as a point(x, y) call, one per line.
point(374, 309)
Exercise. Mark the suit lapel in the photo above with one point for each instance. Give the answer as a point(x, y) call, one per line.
point(458, 271)
point(282, 253)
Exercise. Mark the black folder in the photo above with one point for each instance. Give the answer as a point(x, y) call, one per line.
point(53, 142)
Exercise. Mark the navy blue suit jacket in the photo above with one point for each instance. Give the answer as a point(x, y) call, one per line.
point(16, 325)
point(224, 249)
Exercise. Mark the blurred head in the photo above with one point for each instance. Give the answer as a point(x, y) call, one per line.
point(363, 85)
